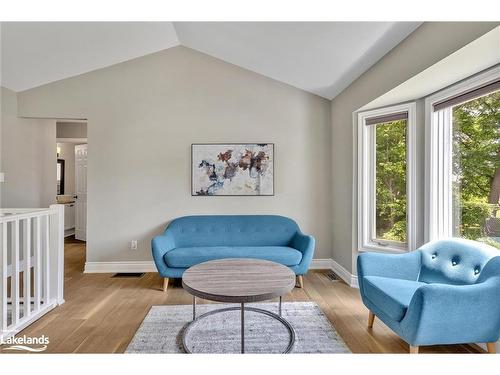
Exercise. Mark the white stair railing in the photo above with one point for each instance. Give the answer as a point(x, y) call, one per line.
point(31, 265)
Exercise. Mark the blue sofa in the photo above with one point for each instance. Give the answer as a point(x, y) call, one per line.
point(446, 292)
point(191, 240)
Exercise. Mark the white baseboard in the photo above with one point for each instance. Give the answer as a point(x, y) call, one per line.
point(114, 267)
point(149, 266)
point(330, 264)
point(354, 282)
point(321, 264)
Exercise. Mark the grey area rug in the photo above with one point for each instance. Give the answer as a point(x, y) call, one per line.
point(162, 328)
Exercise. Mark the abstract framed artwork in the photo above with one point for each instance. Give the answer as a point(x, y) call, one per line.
point(237, 169)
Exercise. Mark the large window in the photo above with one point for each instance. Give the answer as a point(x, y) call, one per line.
point(464, 161)
point(386, 166)
point(476, 169)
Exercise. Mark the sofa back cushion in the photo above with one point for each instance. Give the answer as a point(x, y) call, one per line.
point(454, 261)
point(232, 230)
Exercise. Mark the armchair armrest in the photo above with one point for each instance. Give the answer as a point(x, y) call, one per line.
point(305, 244)
point(443, 313)
point(398, 266)
point(160, 245)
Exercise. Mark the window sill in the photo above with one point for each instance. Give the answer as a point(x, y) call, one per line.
point(381, 249)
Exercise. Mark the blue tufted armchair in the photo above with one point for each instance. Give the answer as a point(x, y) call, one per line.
point(446, 292)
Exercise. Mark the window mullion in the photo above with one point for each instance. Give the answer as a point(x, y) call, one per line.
point(372, 183)
point(448, 160)
point(441, 175)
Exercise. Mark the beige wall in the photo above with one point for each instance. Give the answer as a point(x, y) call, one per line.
point(68, 155)
point(71, 129)
point(430, 43)
point(28, 154)
point(143, 116)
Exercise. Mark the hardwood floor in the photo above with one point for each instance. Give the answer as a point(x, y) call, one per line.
point(101, 313)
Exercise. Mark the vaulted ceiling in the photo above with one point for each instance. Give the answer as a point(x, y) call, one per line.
point(319, 57)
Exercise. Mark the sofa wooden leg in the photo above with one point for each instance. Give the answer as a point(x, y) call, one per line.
point(491, 347)
point(165, 284)
point(414, 349)
point(300, 281)
point(371, 318)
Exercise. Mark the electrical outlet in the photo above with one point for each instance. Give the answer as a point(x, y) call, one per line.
point(133, 245)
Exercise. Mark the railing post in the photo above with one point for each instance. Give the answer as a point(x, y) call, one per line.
point(27, 267)
point(57, 252)
point(37, 264)
point(3, 279)
point(14, 279)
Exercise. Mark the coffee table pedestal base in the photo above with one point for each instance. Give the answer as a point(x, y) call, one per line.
point(241, 308)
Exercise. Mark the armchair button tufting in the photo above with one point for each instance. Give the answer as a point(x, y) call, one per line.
point(454, 263)
point(433, 256)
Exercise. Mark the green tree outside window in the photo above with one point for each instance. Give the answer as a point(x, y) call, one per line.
point(390, 207)
point(476, 169)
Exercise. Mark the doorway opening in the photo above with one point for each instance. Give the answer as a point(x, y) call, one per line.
point(71, 139)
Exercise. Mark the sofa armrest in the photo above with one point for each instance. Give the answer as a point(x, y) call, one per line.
point(398, 266)
point(442, 313)
point(160, 245)
point(305, 244)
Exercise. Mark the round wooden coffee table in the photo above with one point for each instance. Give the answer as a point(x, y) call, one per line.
point(239, 280)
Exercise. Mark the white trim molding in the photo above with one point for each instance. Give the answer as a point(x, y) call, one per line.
point(321, 264)
point(149, 266)
point(349, 278)
point(438, 156)
point(71, 140)
point(330, 264)
point(114, 267)
point(366, 176)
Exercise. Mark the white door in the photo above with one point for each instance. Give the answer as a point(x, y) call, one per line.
point(81, 192)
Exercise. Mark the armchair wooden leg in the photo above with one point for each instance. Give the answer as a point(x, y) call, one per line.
point(300, 281)
point(491, 347)
point(414, 349)
point(371, 318)
point(165, 284)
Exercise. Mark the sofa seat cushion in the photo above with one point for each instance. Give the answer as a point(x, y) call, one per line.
point(392, 296)
point(185, 257)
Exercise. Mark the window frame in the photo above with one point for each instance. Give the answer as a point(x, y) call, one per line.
point(366, 180)
point(438, 212)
